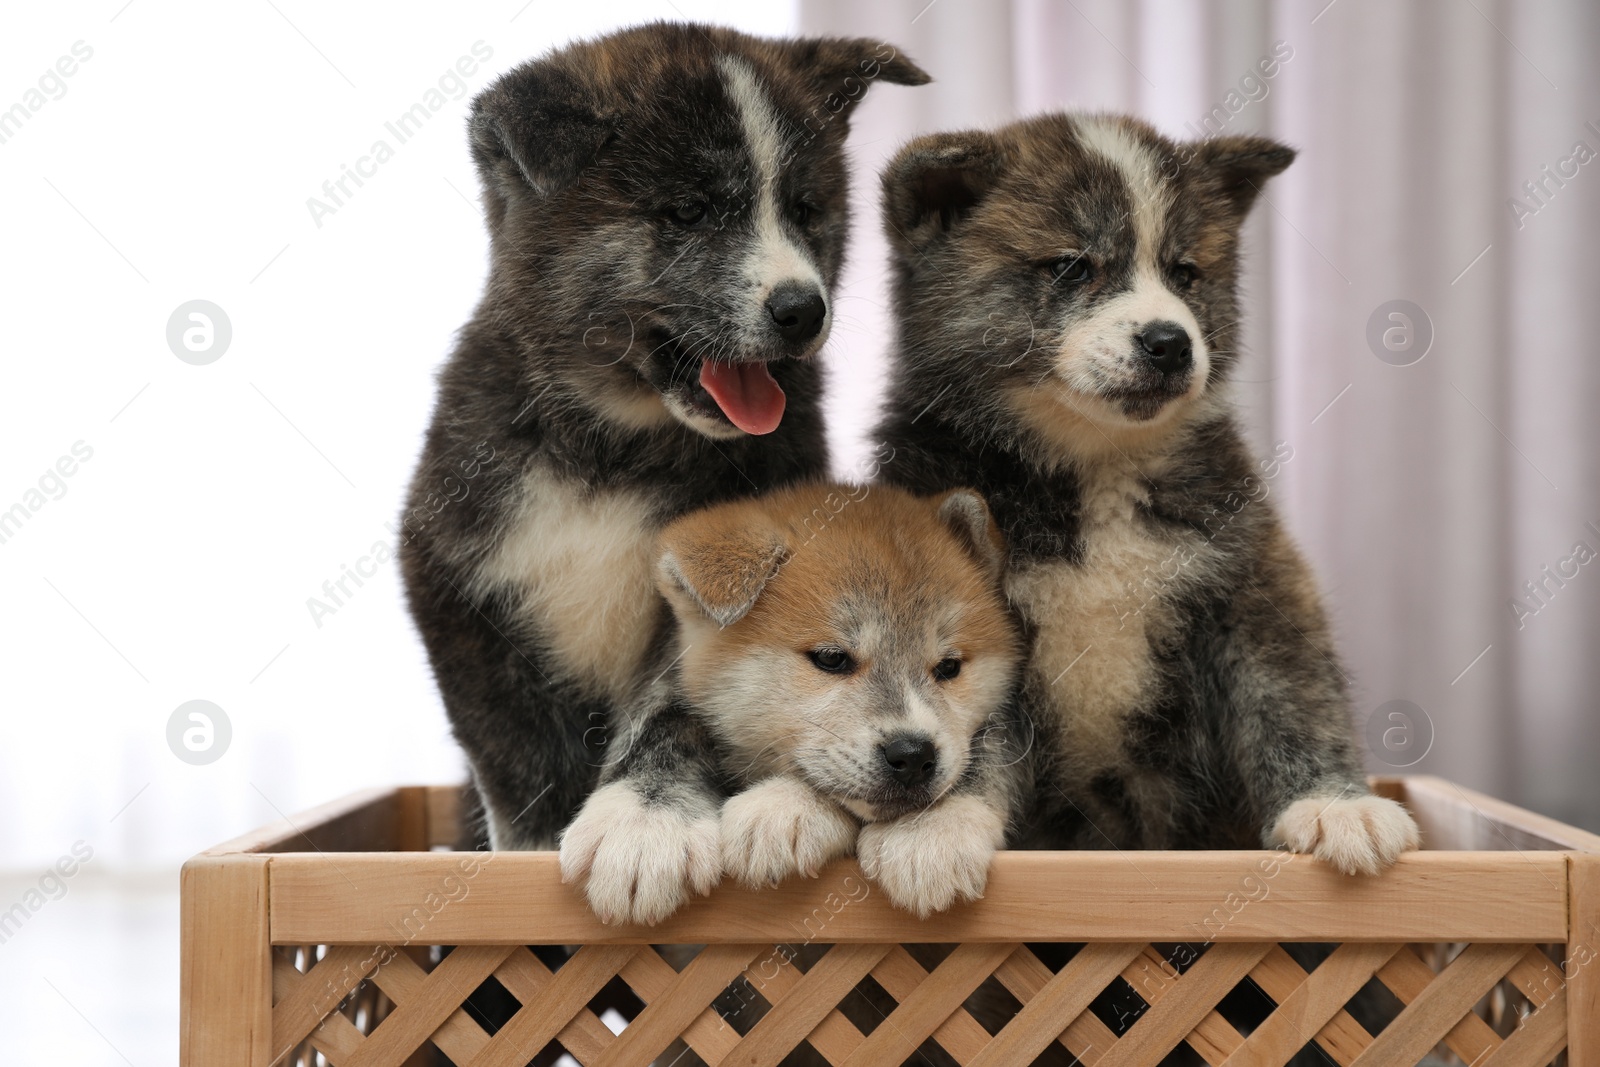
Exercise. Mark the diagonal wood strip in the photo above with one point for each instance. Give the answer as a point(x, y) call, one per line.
point(807, 1003)
point(670, 1012)
point(1086, 1037)
point(1152, 977)
point(1194, 995)
point(1442, 1008)
point(960, 1035)
point(1313, 1004)
point(336, 1037)
point(835, 1037)
point(552, 1008)
point(1066, 995)
point(310, 997)
point(1278, 975)
point(1535, 1041)
point(459, 1036)
point(1539, 978)
point(931, 1003)
point(433, 1001)
point(523, 975)
point(650, 976)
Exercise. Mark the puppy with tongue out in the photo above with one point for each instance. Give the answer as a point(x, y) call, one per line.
point(667, 215)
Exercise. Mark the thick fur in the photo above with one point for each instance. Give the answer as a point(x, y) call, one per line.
point(817, 626)
point(646, 193)
point(1181, 665)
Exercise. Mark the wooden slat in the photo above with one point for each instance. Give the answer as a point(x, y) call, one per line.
point(1582, 967)
point(1065, 995)
point(318, 992)
point(225, 973)
point(459, 1036)
point(1312, 1005)
point(519, 899)
point(444, 815)
point(1538, 978)
point(1408, 977)
point(1279, 976)
point(1086, 1037)
point(1535, 1041)
point(552, 1008)
point(411, 819)
point(1454, 817)
point(650, 976)
point(1159, 1030)
point(669, 1014)
point(523, 975)
point(960, 1035)
point(431, 1003)
point(336, 1037)
point(835, 1037)
point(1442, 1010)
point(1213, 1037)
point(930, 1004)
point(363, 821)
point(807, 1003)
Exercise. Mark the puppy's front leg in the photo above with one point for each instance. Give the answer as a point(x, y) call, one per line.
point(647, 838)
point(1293, 743)
point(782, 827)
point(927, 861)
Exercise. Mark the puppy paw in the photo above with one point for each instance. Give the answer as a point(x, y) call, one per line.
point(928, 861)
point(1358, 835)
point(781, 827)
point(641, 861)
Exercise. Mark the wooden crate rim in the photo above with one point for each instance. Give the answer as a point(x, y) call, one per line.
point(333, 896)
point(1508, 820)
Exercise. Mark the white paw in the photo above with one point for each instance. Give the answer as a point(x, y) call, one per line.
point(781, 827)
point(1358, 835)
point(642, 862)
point(928, 861)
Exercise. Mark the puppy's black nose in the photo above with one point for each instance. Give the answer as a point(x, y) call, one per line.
point(797, 311)
point(911, 758)
point(1166, 345)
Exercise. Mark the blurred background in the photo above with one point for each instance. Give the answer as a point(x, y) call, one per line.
point(173, 510)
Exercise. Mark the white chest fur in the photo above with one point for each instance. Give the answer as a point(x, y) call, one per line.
point(1094, 620)
point(582, 563)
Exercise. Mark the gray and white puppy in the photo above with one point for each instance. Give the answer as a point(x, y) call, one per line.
point(1065, 298)
point(667, 210)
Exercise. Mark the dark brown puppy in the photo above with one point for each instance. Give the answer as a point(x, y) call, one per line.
point(667, 215)
point(1065, 294)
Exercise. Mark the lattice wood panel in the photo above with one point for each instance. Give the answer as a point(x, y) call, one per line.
point(375, 1007)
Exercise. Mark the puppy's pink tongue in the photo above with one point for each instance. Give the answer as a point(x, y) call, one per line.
point(746, 393)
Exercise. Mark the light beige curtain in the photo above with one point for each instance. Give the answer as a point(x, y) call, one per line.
point(1421, 296)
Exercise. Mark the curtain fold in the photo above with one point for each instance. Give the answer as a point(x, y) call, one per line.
point(1450, 504)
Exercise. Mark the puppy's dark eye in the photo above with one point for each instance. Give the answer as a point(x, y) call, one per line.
point(803, 213)
point(947, 668)
point(692, 214)
point(1183, 275)
point(1071, 270)
point(832, 660)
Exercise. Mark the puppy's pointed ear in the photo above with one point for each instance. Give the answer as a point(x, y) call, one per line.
point(836, 72)
point(540, 125)
point(717, 561)
point(834, 59)
point(934, 182)
point(967, 516)
point(1240, 165)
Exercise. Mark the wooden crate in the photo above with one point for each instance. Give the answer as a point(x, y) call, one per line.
point(316, 936)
